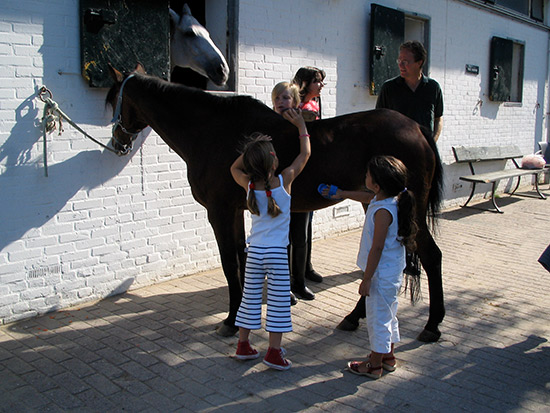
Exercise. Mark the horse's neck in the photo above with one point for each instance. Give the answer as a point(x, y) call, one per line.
point(154, 106)
point(181, 116)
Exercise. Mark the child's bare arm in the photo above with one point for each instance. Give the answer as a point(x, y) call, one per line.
point(293, 170)
point(239, 174)
point(360, 196)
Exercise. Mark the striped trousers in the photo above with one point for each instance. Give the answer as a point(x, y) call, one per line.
point(273, 262)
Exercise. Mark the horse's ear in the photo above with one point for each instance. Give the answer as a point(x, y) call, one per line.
point(115, 74)
point(140, 69)
point(186, 9)
point(175, 17)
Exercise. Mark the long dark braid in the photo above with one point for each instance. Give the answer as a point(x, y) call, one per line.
point(392, 176)
point(258, 159)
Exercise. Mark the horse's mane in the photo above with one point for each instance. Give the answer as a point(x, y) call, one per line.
point(192, 95)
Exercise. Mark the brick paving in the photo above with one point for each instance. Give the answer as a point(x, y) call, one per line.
point(154, 349)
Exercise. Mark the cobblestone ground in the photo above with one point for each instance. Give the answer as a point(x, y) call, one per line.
point(155, 349)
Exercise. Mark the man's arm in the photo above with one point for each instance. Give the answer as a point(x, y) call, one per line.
point(438, 127)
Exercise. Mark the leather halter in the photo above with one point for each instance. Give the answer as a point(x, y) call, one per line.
point(117, 122)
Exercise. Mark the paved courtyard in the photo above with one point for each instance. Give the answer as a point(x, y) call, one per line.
point(155, 349)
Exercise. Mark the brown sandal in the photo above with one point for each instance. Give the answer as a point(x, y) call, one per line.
point(386, 366)
point(389, 367)
point(353, 367)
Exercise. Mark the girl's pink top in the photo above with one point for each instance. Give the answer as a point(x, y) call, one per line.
point(311, 106)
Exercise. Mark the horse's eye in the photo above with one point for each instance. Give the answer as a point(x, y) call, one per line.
point(189, 33)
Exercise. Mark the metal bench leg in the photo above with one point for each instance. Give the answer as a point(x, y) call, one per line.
point(493, 197)
point(542, 196)
point(516, 188)
point(471, 194)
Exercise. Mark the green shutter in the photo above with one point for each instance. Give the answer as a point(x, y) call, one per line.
point(123, 32)
point(387, 34)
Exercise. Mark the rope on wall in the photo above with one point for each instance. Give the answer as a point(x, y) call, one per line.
point(52, 114)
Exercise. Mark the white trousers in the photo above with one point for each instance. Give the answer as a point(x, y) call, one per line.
point(381, 305)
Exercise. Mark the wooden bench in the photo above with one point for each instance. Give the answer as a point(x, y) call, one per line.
point(474, 155)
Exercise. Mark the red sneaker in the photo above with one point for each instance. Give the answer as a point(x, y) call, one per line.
point(245, 352)
point(274, 359)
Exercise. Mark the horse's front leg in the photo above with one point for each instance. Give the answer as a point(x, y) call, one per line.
point(228, 228)
point(430, 257)
point(351, 321)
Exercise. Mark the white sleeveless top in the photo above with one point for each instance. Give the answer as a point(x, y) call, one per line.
point(393, 254)
point(268, 231)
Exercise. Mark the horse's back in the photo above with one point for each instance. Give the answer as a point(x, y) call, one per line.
point(342, 147)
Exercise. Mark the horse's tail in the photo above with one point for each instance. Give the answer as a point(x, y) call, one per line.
point(435, 197)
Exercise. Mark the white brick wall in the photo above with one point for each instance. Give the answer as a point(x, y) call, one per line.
point(100, 224)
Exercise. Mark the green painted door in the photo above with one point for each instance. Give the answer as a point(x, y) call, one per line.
point(123, 33)
point(387, 34)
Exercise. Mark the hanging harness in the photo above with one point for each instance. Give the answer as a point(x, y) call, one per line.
point(53, 113)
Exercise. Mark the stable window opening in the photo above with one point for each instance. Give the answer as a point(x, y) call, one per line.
point(506, 70)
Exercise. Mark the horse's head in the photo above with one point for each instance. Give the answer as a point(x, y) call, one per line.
point(124, 133)
point(191, 46)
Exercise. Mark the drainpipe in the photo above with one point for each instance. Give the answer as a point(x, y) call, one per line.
point(546, 109)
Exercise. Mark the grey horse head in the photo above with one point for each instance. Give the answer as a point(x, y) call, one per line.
point(192, 47)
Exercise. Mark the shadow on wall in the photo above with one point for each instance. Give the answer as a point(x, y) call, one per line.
point(28, 199)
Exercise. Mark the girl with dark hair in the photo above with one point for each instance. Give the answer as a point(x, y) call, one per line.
point(389, 228)
point(269, 203)
point(310, 83)
point(310, 80)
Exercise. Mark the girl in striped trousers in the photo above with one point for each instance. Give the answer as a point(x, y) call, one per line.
point(269, 203)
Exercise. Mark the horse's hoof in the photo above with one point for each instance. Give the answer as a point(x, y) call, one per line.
point(226, 331)
point(346, 325)
point(427, 336)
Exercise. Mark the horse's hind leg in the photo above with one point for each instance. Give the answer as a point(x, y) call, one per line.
point(230, 239)
point(430, 257)
point(351, 321)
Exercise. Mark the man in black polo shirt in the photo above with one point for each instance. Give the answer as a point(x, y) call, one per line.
point(411, 93)
point(420, 98)
point(417, 97)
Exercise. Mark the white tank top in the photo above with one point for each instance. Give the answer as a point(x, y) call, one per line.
point(268, 231)
point(393, 254)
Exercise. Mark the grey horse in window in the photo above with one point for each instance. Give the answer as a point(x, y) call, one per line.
point(192, 47)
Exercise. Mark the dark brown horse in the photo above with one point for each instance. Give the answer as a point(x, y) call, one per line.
point(207, 132)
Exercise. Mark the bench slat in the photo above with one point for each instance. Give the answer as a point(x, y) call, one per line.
point(486, 153)
point(489, 177)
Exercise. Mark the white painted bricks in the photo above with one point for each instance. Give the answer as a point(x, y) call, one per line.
point(100, 224)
